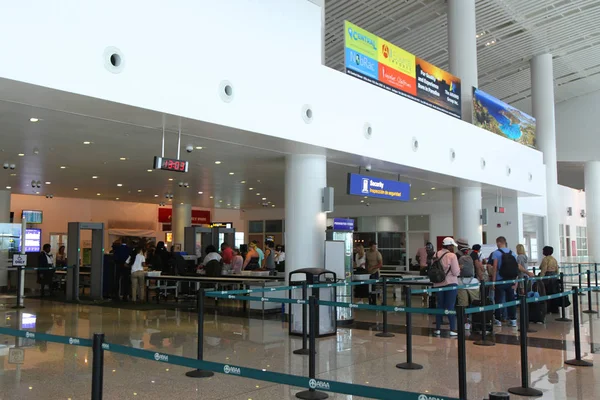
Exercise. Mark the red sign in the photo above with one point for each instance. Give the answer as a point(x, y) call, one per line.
point(199, 217)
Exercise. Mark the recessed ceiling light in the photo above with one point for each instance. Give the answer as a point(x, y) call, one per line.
point(13, 174)
point(212, 197)
point(220, 201)
point(139, 190)
point(181, 203)
point(198, 147)
point(362, 201)
point(119, 184)
point(33, 119)
point(123, 158)
point(21, 155)
point(273, 205)
point(250, 188)
point(264, 198)
point(217, 162)
point(170, 179)
point(117, 198)
point(242, 182)
point(228, 205)
point(232, 173)
point(75, 188)
point(94, 177)
point(87, 142)
point(62, 167)
point(200, 192)
point(258, 194)
point(9, 187)
point(98, 194)
point(155, 195)
point(48, 183)
point(37, 192)
point(149, 170)
point(422, 194)
point(414, 198)
point(366, 197)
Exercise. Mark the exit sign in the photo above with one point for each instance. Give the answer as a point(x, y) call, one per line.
point(499, 210)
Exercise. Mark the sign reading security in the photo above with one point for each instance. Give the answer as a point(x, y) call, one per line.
point(379, 62)
point(361, 185)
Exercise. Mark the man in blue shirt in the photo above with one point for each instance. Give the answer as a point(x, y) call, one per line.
point(504, 292)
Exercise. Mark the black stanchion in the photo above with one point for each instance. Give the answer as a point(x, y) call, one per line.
point(563, 317)
point(499, 396)
point(304, 350)
point(199, 373)
point(578, 362)
point(312, 394)
point(526, 284)
point(589, 288)
point(483, 341)
point(596, 278)
point(524, 389)
point(97, 366)
point(462, 353)
point(409, 364)
point(579, 277)
point(534, 271)
point(19, 304)
point(385, 332)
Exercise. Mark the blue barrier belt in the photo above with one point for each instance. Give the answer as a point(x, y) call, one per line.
point(583, 273)
point(588, 289)
point(492, 307)
point(356, 283)
point(261, 299)
point(445, 288)
point(429, 311)
point(47, 337)
point(548, 297)
point(248, 291)
point(269, 376)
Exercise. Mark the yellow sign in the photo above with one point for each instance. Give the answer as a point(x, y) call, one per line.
point(397, 58)
point(360, 40)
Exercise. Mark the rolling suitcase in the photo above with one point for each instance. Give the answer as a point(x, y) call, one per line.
point(479, 319)
point(537, 310)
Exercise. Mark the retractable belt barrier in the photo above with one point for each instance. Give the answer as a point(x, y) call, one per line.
point(75, 341)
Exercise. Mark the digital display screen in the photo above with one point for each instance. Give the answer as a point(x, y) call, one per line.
point(33, 240)
point(170, 164)
point(32, 216)
point(28, 321)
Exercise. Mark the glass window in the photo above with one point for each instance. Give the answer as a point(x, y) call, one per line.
point(364, 237)
point(391, 224)
point(274, 226)
point(418, 223)
point(391, 240)
point(366, 224)
point(256, 226)
point(239, 239)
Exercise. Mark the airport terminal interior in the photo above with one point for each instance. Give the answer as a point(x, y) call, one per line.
point(300, 199)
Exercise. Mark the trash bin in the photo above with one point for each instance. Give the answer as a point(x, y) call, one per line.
point(326, 315)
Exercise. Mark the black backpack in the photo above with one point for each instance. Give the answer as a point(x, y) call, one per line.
point(436, 272)
point(509, 269)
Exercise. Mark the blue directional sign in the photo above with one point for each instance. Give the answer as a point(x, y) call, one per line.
point(342, 224)
point(362, 185)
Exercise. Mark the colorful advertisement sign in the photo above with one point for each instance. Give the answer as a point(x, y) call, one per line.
point(362, 185)
point(342, 224)
point(379, 62)
point(502, 119)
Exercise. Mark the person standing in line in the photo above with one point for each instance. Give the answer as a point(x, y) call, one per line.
point(523, 261)
point(374, 264)
point(505, 267)
point(251, 259)
point(227, 254)
point(261, 254)
point(446, 300)
point(468, 276)
point(121, 253)
point(137, 263)
point(45, 275)
point(549, 267)
point(61, 257)
point(360, 258)
point(269, 261)
point(280, 258)
point(237, 263)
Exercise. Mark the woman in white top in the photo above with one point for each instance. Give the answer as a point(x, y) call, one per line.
point(137, 274)
point(360, 258)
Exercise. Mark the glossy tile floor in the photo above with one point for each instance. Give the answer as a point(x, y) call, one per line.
point(55, 371)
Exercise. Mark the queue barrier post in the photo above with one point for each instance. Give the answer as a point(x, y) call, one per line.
point(526, 285)
point(596, 288)
point(312, 394)
point(199, 373)
point(304, 350)
point(524, 389)
point(483, 341)
point(578, 362)
point(499, 396)
point(563, 317)
point(97, 366)
point(385, 333)
point(409, 364)
point(19, 304)
point(462, 353)
point(589, 294)
point(579, 278)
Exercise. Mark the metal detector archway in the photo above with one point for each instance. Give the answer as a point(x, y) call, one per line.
point(74, 257)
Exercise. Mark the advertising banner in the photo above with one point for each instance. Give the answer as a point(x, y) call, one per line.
point(342, 224)
point(502, 119)
point(362, 185)
point(379, 62)
point(199, 217)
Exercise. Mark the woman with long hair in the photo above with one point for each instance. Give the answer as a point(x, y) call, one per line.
point(251, 262)
point(137, 262)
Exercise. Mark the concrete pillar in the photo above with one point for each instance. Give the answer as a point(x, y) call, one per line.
point(305, 221)
point(466, 203)
point(592, 205)
point(180, 219)
point(4, 206)
point(542, 100)
point(462, 57)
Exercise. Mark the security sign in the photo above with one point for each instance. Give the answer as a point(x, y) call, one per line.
point(16, 356)
point(19, 260)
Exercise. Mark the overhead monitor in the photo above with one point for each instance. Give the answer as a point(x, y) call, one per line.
point(32, 216)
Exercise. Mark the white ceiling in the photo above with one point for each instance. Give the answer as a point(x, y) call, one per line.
point(518, 29)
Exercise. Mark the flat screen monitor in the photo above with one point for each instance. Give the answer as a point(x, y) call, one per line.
point(32, 216)
point(33, 240)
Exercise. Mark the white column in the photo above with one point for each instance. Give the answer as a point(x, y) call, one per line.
point(462, 50)
point(542, 101)
point(592, 205)
point(180, 219)
point(4, 206)
point(305, 221)
point(466, 204)
point(462, 57)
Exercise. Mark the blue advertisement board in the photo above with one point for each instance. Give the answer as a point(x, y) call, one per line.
point(362, 64)
point(362, 185)
point(342, 224)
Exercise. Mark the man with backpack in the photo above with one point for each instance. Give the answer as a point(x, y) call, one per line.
point(505, 268)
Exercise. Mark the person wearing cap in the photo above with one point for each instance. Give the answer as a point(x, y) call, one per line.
point(467, 276)
point(374, 264)
point(446, 300)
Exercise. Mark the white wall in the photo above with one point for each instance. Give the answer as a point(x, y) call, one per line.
point(270, 51)
point(577, 128)
point(508, 221)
